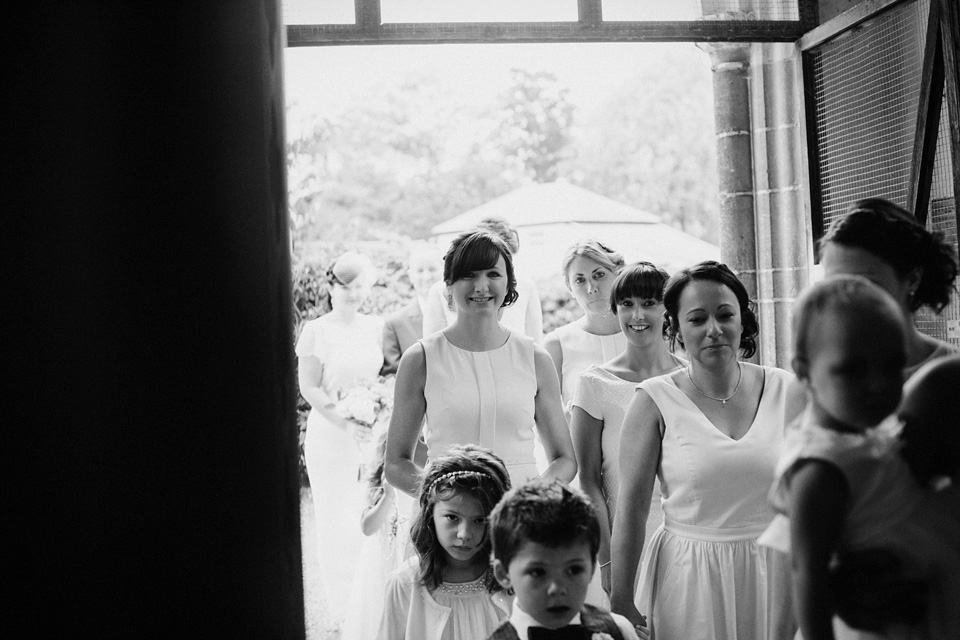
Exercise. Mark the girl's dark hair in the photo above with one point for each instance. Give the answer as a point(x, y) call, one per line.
point(476, 251)
point(638, 280)
point(714, 272)
point(893, 234)
point(465, 469)
point(377, 463)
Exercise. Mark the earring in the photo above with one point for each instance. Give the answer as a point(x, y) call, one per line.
point(510, 591)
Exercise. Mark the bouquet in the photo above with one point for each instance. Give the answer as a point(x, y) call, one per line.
point(367, 403)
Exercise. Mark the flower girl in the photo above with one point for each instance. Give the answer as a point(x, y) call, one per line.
point(386, 524)
point(448, 592)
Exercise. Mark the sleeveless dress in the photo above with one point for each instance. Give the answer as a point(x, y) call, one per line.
point(581, 350)
point(887, 510)
point(703, 575)
point(349, 355)
point(484, 398)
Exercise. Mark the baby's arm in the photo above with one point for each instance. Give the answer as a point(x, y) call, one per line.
point(377, 514)
point(818, 506)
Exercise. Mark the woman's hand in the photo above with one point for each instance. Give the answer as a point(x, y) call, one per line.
point(361, 432)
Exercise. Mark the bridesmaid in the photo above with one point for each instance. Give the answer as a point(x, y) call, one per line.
point(589, 269)
point(605, 390)
point(477, 381)
point(336, 352)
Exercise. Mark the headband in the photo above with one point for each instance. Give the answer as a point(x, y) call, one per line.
point(454, 475)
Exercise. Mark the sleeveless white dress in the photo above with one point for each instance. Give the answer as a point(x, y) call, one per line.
point(581, 350)
point(484, 398)
point(349, 355)
point(703, 575)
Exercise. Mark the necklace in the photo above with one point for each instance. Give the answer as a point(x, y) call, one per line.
point(722, 401)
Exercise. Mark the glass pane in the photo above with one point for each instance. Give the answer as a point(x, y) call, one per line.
point(685, 10)
point(318, 12)
point(478, 10)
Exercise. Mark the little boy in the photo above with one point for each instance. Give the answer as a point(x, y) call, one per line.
point(545, 540)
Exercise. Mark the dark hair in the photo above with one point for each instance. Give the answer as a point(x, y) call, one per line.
point(503, 229)
point(476, 251)
point(714, 272)
point(893, 234)
point(848, 295)
point(375, 466)
point(546, 512)
point(638, 280)
point(464, 469)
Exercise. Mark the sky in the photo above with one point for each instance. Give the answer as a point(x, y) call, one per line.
point(324, 80)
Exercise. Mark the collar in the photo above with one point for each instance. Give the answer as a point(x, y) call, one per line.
point(521, 620)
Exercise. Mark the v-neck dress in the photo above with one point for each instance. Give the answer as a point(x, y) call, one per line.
point(702, 574)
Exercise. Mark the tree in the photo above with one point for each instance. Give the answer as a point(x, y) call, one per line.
point(534, 120)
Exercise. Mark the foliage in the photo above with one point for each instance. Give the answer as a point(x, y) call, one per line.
point(558, 304)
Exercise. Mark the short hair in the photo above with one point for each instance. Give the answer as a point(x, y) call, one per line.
point(506, 231)
point(545, 512)
point(463, 469)
point(596, 251)
point(638, 280)
point(846, 295)
point(894, 235)
point(476, 251)
point(713, 271)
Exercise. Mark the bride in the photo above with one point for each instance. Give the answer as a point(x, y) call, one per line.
point(336, 352)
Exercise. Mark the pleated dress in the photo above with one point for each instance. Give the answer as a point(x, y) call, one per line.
point(702, 574)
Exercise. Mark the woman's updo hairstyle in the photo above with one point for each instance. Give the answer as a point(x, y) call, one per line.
point(464, 469)
point(500, 227)
point(895, 236)
point(715, 272)
point(638, 280)
point(596, 251)
point(348, 267)
point(476, 251)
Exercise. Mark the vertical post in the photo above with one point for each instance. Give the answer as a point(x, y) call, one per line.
point(731, 108)
point(589, 12)
point(367, 13)
point(950, 35)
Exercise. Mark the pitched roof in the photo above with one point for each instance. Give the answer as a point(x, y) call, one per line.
point(550, 203)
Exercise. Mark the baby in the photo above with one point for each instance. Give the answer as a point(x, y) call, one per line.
point(545, 541)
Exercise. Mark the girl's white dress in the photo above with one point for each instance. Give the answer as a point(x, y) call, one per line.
point(349, 355)
point(703, 575)
point(482, 397)
point(887, 510)
point(380, 555)
point(453, 611)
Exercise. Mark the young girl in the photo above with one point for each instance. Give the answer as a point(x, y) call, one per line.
point(841, 479)
point(448, 592)
point(386, 524)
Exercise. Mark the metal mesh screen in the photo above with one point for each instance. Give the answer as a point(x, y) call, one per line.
point(942, 217)
point(866, 87)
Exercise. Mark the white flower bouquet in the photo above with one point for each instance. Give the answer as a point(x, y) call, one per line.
point(368, 403)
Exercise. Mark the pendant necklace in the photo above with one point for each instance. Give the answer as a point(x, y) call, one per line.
point(722, 401)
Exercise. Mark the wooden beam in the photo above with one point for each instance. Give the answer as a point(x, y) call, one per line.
point(928, 118)
point(845, 21)
point(950, 36)
point(525, 32)
point(809, 11)
point(367, 13)
point(589, 12)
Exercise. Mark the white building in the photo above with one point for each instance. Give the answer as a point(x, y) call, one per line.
point(551, 217)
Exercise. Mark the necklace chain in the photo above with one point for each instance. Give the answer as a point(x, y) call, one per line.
point(722, 401)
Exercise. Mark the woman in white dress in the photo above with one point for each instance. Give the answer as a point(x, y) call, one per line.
point(336, 352)
point(605, 390)
point(524, 317)
point(476, 381)
point(589, 269)
point(885, 244)
point(712, 432)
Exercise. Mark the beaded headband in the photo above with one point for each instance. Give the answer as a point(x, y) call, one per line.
point(453, 475)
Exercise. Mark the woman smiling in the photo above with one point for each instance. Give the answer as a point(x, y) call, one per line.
point(476, 381)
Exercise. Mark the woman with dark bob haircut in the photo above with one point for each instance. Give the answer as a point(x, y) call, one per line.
point(885, 244)
point(712, 432)
point(477, 382)
point(604, 391)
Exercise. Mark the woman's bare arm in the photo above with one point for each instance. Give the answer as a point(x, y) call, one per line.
point(587, 433)
point(409, 407)
point(551, 423)
point(640, 448)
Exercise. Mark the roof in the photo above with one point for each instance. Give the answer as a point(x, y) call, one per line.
point(549, 203)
